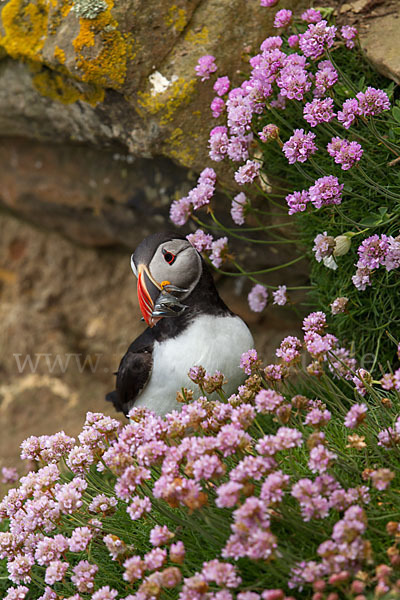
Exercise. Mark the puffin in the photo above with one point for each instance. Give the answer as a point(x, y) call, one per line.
point(188, 325)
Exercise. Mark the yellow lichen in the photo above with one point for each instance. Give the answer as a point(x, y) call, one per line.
point(64, 89)
point(65, 8)
point(176, 18)
point(106, 66)
point(178, 147)
point(197, 38)
point(25, 26)
point(178, 94)
point(59, 54)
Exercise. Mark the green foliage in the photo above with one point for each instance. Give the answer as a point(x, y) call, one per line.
point(371, 200)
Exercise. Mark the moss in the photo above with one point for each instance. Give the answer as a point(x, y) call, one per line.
point(64, 89)
point(198, 38)
point(25, 25)
point(165, 105)
point(108, 67)
point(176, 18)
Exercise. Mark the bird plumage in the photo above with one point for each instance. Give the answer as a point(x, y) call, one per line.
point(206, 333)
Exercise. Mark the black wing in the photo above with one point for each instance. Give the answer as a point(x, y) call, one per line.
point(133, 373)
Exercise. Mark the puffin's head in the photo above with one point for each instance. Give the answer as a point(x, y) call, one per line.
point(168, 269)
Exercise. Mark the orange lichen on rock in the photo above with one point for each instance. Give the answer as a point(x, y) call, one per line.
point(106, 66)
point(25, 26)
point(59, 54)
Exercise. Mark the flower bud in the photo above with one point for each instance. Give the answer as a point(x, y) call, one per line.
point(342, 245)
point(269, 132)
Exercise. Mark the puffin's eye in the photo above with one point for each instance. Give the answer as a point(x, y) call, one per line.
point(168, 256)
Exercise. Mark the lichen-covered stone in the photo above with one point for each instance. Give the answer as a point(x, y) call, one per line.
point(127, 66)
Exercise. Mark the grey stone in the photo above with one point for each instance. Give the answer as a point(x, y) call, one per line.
point(381, 42)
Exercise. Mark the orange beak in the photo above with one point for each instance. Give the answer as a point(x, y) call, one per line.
point(146, 302)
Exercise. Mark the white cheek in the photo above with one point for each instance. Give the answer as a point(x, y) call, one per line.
point(133, 266)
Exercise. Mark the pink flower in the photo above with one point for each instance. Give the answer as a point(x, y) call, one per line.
point(269, 132)
point(320, 459)
point(348, 33)
point(219, 250)
point(349, 112)
point(297, 201)
point(238, 207)
point(339, 305)
point(372, 251)
point(155, 559)
point(217, 107)
point(381, 478)
point(134, 569)
point(300, 146)
point(345, 153)
point(223, 574)
point(289, 350)
point(355, 416)
point(257, 298)
point(283, 18)
point(319, 111)
point(315, 321)
point(160, 535)
point(248, 361)
point(83, 577)
point(218, 143)
point(324, 245)
point(200, 240)
point(228, 494)
point(80, 538)
point(18, 593)
point(267, 401)
point(272, 489)
point(55, 571)
point(311, 16)
point(280, 296)
point(205, 66)
point(177, 552)
point(293, 79)
point(9, 475)
point(325, 78)
point(317, 417)
point(105, 593)
point(248, 172)
point(316, 38)
point(222, 85)
point(372, 102)
point(271, 42)
point(138, 507)
point(180, 211)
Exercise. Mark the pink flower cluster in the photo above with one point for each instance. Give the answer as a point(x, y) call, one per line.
point(324, 192)
point(373, 252)
point(198, 197)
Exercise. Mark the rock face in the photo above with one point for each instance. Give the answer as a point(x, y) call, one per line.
point(381, 42)
point(102, 72)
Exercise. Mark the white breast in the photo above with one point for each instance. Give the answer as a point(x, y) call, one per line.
point(215, 343)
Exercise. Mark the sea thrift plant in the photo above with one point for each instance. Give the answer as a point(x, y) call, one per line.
point(241, 473)
point(309, 127)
